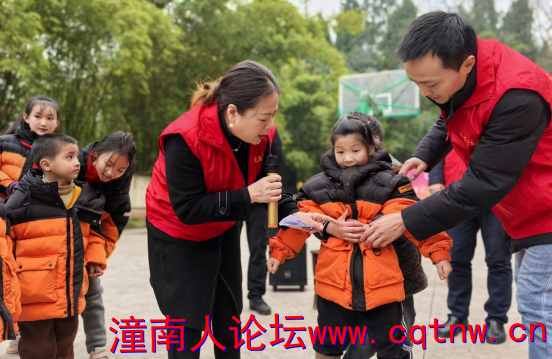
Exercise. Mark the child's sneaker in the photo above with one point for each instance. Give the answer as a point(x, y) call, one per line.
point(99, 353)
point(13, 348)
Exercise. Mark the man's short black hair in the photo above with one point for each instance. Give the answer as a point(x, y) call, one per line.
point(48, 145)
point(373, 122)
point(444, 34)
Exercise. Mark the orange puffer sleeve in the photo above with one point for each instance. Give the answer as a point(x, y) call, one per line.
point(436, 247)
point(11, 300)
point(5, 180)
point(95, 249)
point(288, 242)
point(110, 232)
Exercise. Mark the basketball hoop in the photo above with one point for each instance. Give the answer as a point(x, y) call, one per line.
point(385, 94)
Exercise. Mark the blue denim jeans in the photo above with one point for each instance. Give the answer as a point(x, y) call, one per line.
point(368, 350)
point(533, 276)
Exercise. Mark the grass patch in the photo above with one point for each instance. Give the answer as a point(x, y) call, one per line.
point(133, 223)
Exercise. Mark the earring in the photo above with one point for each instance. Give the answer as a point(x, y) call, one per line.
point(231, 124)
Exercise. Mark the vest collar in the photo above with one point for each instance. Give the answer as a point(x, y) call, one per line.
point(486, 74)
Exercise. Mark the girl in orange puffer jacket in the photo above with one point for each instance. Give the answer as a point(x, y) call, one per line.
point(352, 279)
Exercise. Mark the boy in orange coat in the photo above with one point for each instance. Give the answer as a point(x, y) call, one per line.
point(55, 225)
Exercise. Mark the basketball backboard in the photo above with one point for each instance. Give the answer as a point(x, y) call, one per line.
point(383, 94)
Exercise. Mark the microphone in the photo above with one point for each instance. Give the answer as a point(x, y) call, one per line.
point(272, 165)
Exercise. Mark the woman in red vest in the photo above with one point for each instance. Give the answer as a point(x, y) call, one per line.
point(211, 168)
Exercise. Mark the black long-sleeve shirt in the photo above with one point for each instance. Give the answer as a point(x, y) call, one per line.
point(276, 147)
point(186, 185)
point(504, 150)
point(437, 174)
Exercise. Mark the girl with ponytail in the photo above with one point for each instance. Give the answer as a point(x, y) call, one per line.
point(108, 167)
point(41, 116)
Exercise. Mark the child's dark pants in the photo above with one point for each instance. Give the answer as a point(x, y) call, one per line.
point(48, 338)
point(380, 320)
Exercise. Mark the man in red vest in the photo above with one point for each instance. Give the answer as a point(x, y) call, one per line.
point(497, 257)
point(495, 112)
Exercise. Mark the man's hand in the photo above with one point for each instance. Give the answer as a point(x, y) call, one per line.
point(413, 163)
point(436, 187)
point(443, 268)
point(95, 270)
point(384, 231)
point(272, 264)
point(349, 230)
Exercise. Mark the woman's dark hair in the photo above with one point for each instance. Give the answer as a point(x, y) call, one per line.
point(445, 35)
point(351, 124)
point(244, 85)
point(121, 144)
point(43, 101)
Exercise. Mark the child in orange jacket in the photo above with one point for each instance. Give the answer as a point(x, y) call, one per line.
point(55, 226)
point(10, 293)
point(353, 279)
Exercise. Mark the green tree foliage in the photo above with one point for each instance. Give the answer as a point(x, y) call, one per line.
point(402, 135)
point(21, 62)
point(310, 107)
point(517, 30)
point(361, 47)
point(397, 23)
point(483, 17)
point(132, 65)
point(99, 51)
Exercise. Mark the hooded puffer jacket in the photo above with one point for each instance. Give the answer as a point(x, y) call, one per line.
point(364, 191)
point(410, 260)
point(15, 156)
point(116, 211)
point(52, 245)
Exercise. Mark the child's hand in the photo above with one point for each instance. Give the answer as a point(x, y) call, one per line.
point(272, 265)
point(349, 230)
point(95, 270)
point(444, 269)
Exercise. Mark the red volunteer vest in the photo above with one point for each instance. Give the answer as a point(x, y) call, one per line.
point(201, 130)
point(454, 168)
point(527, 209)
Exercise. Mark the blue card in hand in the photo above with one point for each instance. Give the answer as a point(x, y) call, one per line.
point(292, 222)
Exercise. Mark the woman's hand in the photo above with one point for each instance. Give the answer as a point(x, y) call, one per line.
point(272, 264)
point(349, 230)
point(444, 268)
point(267, 189)
point(314, 220)
point(95, 270)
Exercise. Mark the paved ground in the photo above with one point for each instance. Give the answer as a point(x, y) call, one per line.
point(127, 292)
